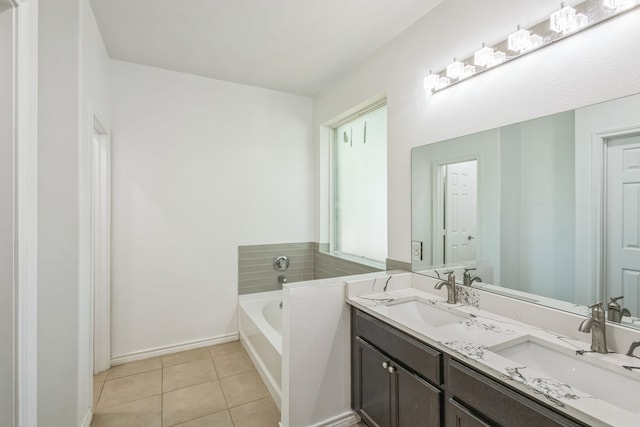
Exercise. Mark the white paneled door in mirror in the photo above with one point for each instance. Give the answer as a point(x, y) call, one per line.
point(622, 263)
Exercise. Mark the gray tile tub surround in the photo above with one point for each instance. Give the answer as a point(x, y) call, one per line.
point(308, 261)
point(326, 266)
point(255, 265)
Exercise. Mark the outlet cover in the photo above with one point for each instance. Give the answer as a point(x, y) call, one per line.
point(416, 250)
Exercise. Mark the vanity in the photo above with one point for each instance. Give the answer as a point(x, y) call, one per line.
point(419, 361)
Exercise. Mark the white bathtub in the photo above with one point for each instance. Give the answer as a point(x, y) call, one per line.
point(260, 328)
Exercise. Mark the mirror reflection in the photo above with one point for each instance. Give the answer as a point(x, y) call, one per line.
point(547, 210)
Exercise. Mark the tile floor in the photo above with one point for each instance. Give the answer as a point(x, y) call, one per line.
point(209, 387)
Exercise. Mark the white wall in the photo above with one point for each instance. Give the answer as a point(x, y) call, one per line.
point(200, 166)
point(58, 285)
point(73, 75)
point(538, 206)
point(566, 75)
point(7, 207)
point(316, 367)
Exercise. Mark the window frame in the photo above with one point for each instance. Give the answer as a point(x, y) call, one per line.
point(334, 230)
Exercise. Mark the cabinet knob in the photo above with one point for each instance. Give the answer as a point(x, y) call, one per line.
point(391, 369)
point(385, 365)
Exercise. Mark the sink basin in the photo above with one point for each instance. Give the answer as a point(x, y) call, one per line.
point(418, 313)
point(606, 384)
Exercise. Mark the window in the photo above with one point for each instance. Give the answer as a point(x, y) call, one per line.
point(359, 186)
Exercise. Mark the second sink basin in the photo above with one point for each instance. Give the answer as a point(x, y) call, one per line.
point(417, 313)
point(606, 384)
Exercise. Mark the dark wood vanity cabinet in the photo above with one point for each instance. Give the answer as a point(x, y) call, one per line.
point(388, 391)
point(398, 381)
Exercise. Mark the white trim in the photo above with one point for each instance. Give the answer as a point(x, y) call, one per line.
point(176, 348)
point(86, 420)
point(343, 420)
point(100, 268)
point(26, 140)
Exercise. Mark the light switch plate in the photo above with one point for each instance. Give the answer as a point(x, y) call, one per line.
point(416, 250)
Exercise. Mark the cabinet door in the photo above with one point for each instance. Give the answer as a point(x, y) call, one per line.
point(372, 383)
point(459, 416)
point(418, 402)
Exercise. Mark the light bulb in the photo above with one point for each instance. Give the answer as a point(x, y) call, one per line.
point(431, 81)
point(563, 20)
point(519, 41)
point(483, 56)
point(455, 69)
point(567, 20)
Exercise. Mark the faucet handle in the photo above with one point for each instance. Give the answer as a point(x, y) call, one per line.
point(616, 298)
point(597, 310)
point(470, 268)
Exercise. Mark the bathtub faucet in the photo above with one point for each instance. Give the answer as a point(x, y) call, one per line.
point(282, 279)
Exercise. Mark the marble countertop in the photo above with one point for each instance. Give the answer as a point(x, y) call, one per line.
point(479, 334)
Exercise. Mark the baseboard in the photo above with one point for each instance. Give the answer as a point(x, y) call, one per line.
point(86, 420)
point(176, 348)
point(343, 420)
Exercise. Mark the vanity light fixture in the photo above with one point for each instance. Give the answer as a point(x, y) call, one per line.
point(564, 22)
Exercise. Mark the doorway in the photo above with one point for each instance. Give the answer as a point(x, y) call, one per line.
point(457, 212)
point(622, 225)
point(101, 245)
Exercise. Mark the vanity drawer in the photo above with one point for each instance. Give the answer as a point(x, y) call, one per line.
point(497, 402)
point(408, 351)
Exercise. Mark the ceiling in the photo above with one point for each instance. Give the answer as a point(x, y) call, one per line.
point(293, 46)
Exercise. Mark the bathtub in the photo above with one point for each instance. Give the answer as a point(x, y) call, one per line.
point(260, 329)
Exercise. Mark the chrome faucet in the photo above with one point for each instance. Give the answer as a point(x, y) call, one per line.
point(467, 280)
point(450, 283)
point(615, 312)
point(596, 325)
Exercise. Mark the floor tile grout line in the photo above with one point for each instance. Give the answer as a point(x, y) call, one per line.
point(128, 375)
point(130, 401)
point(253, 401)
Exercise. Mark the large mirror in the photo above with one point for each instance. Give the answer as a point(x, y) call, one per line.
point(547, 210)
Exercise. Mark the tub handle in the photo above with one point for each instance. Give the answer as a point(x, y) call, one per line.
point(281, 263)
